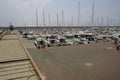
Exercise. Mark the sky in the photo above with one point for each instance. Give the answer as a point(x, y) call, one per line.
point(23, 12)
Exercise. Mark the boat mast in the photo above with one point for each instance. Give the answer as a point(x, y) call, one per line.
point(36, 17)
point(98, 21)
point(93, 13)
point(111, 22)
point(107, 21)
point(57, 19)
point(44, 18)
point(78, 13)
point(49, 19)
point(119, 22)
point(114, 22)
point(72, 21)
point(62, 18)
point(102, 24)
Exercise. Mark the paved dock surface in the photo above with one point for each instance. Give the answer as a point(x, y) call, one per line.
point(10, 45)
point(14, 62)
point(84, 62)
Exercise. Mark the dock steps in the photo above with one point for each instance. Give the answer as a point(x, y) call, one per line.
point(15, 63)
point(17, 70)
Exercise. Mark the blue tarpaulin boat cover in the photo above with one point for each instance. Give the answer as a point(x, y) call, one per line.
point(51, 37)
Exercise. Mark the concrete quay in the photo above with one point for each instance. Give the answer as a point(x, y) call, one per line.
point(83, 62)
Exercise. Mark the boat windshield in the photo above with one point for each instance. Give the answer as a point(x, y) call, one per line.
point(69, 37)
point(62, 40)
point(52, 41)
point(40, 42)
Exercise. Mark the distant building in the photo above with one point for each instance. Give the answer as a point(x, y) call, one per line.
point(11, 27)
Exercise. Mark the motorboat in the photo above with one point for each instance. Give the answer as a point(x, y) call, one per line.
point(62, 41)
point(41, 43)
point(69, 38)
point(52, 39)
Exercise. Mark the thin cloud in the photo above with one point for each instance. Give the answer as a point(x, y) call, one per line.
point(20, 10)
